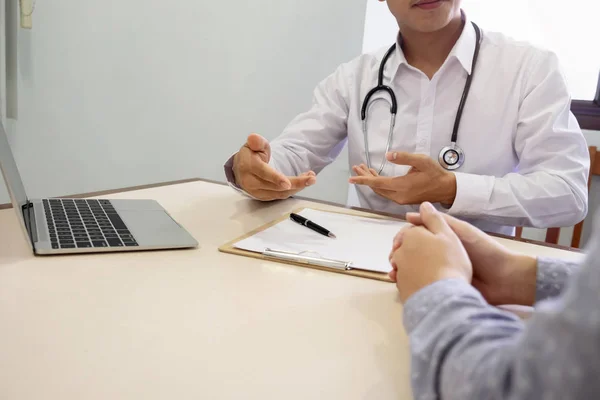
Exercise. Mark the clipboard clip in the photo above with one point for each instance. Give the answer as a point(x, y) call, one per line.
point(303, 258)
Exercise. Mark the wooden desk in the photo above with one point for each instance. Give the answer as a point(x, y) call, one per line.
point(197, 324)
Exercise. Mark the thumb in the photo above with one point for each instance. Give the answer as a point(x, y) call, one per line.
point(465, 231)
point(432, 219)
point(420, 162)
point(259, 144)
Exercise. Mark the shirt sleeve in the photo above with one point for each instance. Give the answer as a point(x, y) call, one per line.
point(315, 138)
point(230, 176)
point(552, 277)
point(549, 187)
point(464, 349)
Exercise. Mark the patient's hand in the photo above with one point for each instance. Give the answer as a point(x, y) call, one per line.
point(254, 174)
point(502, 276)
point(428, 254)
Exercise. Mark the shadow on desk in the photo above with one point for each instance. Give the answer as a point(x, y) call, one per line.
point(13, 243)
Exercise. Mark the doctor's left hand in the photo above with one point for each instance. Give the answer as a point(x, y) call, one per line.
point(426, 180)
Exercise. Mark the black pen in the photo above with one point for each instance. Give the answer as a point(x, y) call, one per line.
point(311, 225)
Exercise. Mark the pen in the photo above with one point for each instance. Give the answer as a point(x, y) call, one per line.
point(311, 225)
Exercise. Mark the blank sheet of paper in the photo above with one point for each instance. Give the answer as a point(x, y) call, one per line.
point(366, 242)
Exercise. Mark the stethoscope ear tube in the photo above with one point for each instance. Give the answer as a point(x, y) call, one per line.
point(389, 91)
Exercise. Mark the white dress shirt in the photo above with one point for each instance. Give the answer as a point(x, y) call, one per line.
point(526, 160)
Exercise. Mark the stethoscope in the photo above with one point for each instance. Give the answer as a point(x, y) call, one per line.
point(451, 157)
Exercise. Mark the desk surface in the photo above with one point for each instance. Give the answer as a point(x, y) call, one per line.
point(197, 324)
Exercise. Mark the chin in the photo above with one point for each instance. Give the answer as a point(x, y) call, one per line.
point(431, 25)
point(432, 21)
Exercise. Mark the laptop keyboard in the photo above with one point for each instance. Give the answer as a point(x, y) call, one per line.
point(85, 224)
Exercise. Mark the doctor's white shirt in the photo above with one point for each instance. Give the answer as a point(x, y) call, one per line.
point(526, 160)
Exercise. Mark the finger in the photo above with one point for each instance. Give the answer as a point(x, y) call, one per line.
point(463, 229)
point(269, 195)
point(307, 174)
point(359, 171)
point(400, 236)
point(302, 181)
point(377, 182)
point(251, 183)
point(466, 232)
point(267, 173)
point(418, 161)
point(264, 190)
point(393, 274)
point(414, 218)
point(363, 170)
point(397, 243)
point(432, 219)
point(257, 143)
point(391, 259)
point(368, 171)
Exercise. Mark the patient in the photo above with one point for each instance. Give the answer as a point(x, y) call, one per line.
point(450, 275)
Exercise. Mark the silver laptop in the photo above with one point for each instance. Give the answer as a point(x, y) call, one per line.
point(62, 226)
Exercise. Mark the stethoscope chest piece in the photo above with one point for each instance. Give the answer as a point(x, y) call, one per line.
point(451, 157)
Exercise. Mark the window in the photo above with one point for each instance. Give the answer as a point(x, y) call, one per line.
point(570, 29)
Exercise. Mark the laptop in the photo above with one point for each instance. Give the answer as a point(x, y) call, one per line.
point(65, 226)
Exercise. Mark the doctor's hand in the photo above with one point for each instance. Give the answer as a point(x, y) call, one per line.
point(428, 253)
point(426, 181)
point(254, 174)
point(502, 276)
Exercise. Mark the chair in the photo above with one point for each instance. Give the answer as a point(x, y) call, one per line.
point(553, 234)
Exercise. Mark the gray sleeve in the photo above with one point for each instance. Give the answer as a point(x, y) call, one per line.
point(552, 277)
point(464, 349)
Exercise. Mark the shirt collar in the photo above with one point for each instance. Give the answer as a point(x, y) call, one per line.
point(463, 50)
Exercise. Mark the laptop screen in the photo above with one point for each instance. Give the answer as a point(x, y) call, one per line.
point(11, 172)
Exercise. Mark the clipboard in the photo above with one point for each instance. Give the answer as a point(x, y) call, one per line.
point(308, 260)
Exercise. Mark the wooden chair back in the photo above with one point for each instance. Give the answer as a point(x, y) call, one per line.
point(553, 234)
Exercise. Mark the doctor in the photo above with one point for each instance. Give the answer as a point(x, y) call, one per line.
point(472, 121)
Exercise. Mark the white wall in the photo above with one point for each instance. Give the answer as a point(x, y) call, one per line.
point(115, 94)
point(118, 93)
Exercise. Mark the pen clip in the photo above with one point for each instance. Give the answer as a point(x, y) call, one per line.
point(308, 260)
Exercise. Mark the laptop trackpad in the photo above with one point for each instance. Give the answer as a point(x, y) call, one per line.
point(156, 228)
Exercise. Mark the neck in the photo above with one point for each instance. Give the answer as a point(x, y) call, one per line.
point(428, 51)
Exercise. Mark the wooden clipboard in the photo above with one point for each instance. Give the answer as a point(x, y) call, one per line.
point(230, 249)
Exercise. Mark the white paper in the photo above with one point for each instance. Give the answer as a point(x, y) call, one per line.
point(366, 242)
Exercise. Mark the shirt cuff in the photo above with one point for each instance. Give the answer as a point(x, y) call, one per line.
point(473, 194)
point(427, 299)
point(552, 277)
point(230, 176)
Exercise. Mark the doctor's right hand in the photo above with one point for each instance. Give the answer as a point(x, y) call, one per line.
point(254, 174)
